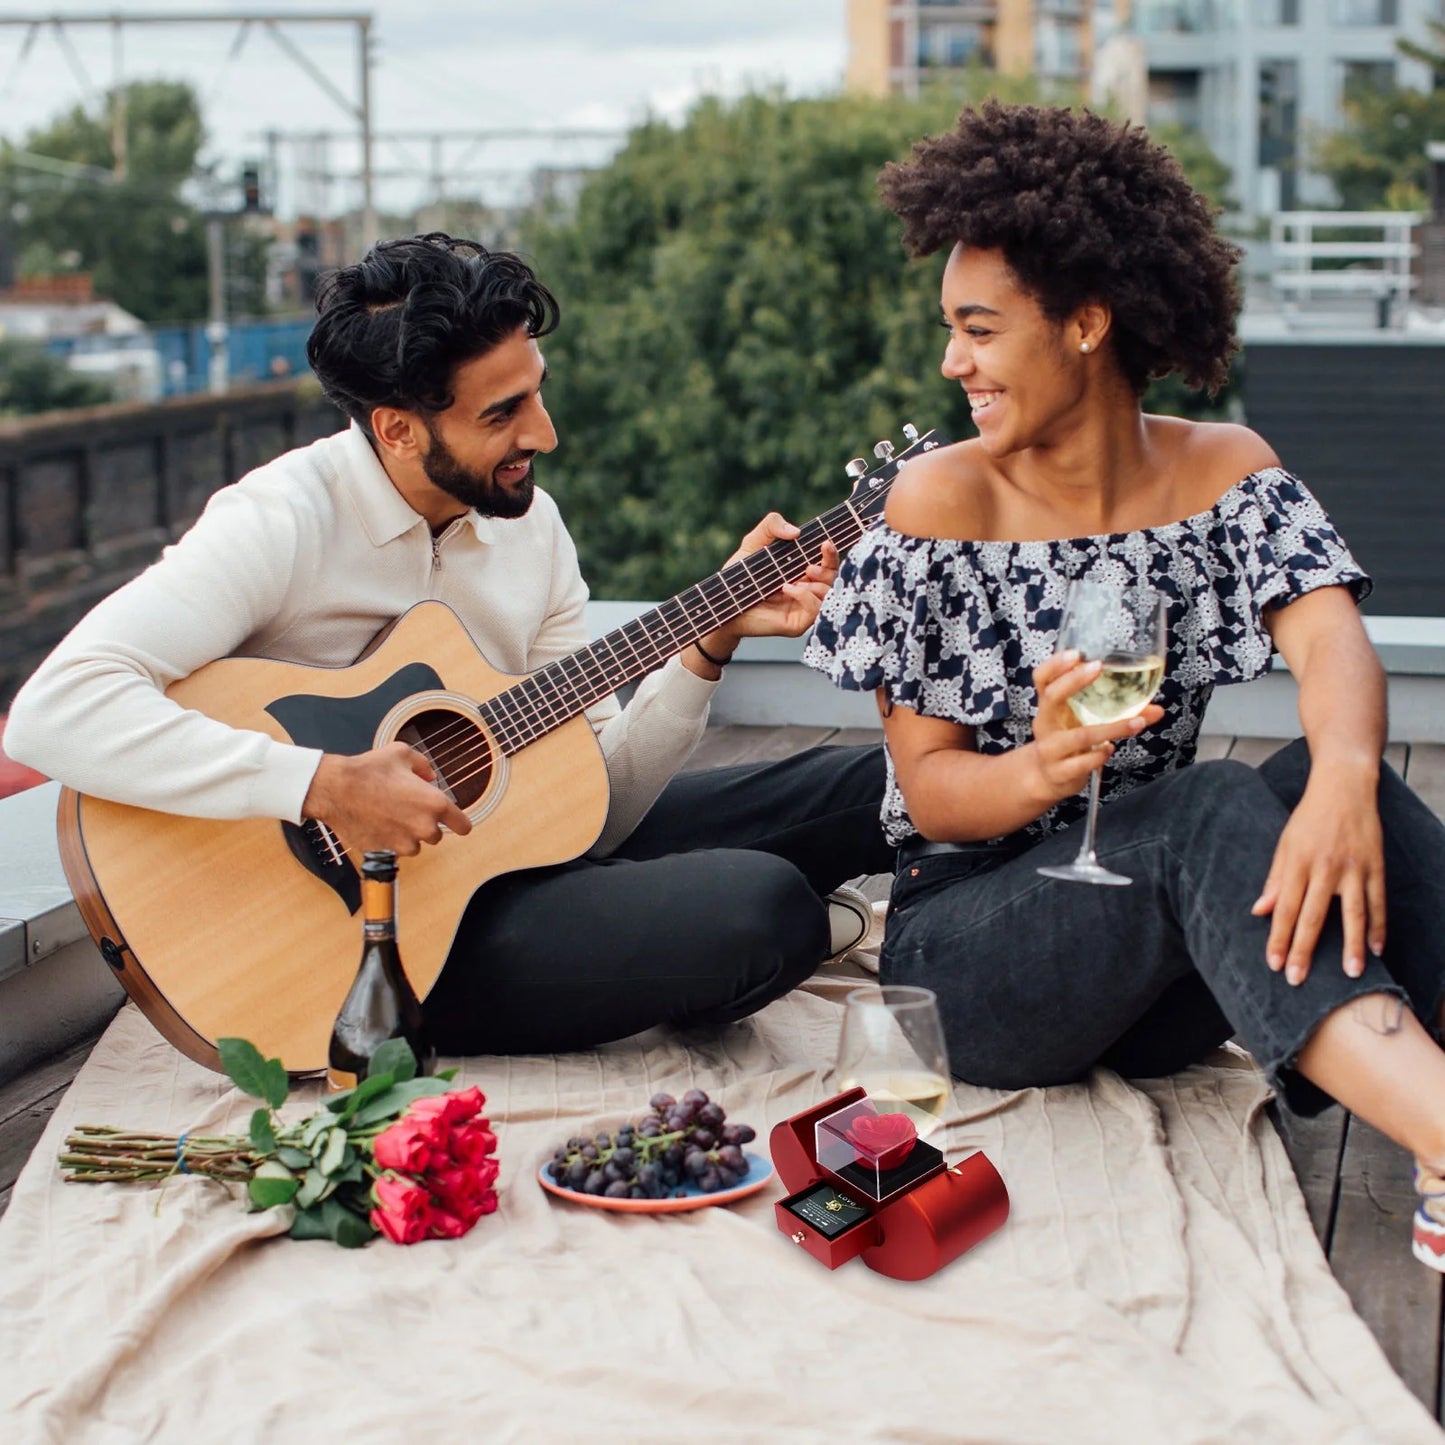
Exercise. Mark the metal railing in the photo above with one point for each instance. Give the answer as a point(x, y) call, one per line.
point(1374, 262)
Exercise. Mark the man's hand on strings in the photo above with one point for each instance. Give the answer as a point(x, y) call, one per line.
point(386, 798)
point(788, 612)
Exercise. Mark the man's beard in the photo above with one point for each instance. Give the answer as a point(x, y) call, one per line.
point(480, 492)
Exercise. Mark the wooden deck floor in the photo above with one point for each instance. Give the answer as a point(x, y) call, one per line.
point(1355, 1182)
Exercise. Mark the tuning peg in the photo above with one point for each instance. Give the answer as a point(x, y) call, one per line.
point(883, 450)
point(856, 468)
point(910, 431)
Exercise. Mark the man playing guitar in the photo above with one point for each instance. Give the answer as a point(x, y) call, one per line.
point(706, 895)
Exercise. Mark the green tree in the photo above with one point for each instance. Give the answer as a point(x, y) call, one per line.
point(1377, 159)
point(139, 237)
point(739, 320)
point(32, 380)
point(1430, 55)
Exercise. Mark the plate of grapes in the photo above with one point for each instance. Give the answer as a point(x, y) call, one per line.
point(683, 1154)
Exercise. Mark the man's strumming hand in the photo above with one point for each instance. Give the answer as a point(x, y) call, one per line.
point(386, 798)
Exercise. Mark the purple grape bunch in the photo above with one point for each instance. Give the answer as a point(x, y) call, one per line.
point(677, 1143)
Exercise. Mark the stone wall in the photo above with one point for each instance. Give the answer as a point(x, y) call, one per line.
point(89, 498)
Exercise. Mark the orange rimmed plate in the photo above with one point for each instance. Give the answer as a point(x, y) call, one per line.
point(760, 1170)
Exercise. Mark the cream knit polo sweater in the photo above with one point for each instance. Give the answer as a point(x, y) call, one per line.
point(305, 560)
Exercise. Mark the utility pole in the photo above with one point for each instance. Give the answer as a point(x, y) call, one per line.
point(368, 203)
point(119, 140)
point(218, 332)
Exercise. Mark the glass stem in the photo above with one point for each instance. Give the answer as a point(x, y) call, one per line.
point(1086, 846)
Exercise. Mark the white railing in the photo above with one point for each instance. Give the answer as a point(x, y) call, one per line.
point(1377, 267)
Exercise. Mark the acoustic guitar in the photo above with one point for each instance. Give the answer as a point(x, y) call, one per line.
point(249, 928)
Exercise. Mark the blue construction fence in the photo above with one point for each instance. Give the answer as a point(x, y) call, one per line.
point(255, 349)
point(260, 349)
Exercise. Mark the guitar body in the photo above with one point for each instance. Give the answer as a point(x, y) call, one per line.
point(250, 928)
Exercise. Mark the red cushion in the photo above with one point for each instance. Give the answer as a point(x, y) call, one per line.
point(15, 777)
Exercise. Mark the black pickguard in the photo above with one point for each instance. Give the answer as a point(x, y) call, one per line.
point(342, 725)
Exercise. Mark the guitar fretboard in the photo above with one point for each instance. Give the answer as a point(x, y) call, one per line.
point(556, 693)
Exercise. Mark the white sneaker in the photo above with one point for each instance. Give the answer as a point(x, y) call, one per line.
point(850, 916)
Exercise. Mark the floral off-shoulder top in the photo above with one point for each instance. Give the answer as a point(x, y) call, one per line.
point(953, 629)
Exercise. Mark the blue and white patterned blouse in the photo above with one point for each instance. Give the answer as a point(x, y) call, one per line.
point(953, 629)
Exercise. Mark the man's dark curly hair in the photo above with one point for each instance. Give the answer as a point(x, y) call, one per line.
point(1082, 209)
point(392, 329)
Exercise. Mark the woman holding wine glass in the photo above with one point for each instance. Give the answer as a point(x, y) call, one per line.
point(1295, 906)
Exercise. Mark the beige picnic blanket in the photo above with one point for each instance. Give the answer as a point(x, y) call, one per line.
point(1158, 1281)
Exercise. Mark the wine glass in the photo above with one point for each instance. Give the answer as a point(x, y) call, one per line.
point(1124, 629)
point(892, 1047)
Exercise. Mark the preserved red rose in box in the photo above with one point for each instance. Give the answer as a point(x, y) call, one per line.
point(882, 1139)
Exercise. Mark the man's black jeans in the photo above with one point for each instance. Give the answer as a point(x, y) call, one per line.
point(1039, 980)
point(710, 910)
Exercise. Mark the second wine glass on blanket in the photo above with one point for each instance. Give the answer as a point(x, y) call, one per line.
point(1123, 628)
point(892, 1046)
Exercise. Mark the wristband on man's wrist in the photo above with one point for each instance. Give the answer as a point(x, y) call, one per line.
point(706, 656)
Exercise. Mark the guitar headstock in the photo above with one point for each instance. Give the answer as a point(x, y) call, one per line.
point(870, 489)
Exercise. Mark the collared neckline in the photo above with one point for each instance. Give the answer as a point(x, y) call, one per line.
point(384, 512)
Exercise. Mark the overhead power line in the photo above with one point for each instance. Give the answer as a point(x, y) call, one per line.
point(271, 20)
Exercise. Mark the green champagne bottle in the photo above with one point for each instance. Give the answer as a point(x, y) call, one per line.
point(381, 1004)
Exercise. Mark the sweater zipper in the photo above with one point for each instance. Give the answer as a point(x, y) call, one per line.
point(436, 543)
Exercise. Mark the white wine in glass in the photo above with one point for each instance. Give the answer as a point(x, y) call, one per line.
point(892, 1047)
point(1125, 684)
point(1124, 629)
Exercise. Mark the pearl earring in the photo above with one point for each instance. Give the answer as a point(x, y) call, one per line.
point(1084, 346)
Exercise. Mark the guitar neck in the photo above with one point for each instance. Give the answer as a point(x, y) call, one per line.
point(558, 692)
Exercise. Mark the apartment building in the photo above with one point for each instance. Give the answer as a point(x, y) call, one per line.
point(1258, 77)
point(895, 46)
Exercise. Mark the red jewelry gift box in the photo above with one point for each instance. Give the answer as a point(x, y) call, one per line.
point(905, 1221)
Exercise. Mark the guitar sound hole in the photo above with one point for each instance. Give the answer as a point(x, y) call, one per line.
point(457, 748)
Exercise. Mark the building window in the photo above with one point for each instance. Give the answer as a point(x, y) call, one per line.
point(1174, 98)
point(1184, 17)
point(1057, 48)
point(950, 45)
point(1367, 12)
point(1279, 124)
point(1360, 77)
point(1277, 12)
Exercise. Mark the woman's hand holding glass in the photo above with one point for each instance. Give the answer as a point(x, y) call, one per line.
point(1120, 634)
point(1066, 751)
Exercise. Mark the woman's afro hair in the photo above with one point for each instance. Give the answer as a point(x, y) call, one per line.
point(1082, 209)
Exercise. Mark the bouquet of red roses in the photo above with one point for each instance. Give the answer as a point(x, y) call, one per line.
point(397, 1155)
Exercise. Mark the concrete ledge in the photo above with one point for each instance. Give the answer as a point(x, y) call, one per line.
point(38, 916)
point(757, 690)
point(54, 986)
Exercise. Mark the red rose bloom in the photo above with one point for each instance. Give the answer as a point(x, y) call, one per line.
point(884, 1139)
point(403, 1212)
point(410, 1144)
point(463, 1191)
point(454, 1108)
point(448, 1226)
point(469, 1143)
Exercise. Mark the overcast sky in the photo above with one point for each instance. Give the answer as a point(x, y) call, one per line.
point(450, 64)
